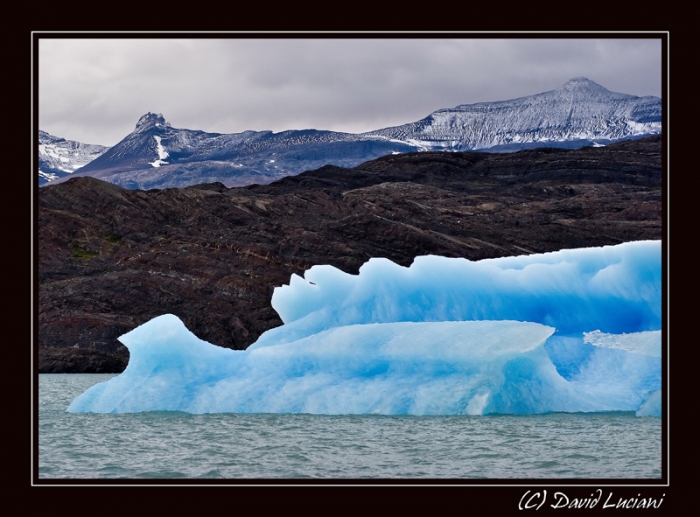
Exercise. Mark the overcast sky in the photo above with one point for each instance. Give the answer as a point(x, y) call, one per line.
point(94, 90)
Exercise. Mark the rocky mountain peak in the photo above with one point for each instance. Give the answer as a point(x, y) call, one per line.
point(46, 138)
point(150, 120)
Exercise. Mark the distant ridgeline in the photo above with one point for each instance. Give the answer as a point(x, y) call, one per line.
point(156, 155)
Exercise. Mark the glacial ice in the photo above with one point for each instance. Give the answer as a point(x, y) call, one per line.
point(570, 331)
point(647, 343)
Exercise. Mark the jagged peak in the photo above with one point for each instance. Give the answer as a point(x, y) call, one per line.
point(45, 137)
point(150, 120)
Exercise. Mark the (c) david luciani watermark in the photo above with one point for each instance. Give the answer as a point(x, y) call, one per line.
point(534, 500)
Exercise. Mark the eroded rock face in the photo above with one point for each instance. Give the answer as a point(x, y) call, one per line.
point(111, 259)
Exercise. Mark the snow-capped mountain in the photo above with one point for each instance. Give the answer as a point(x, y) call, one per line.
point(156, 155)
point(59, 157)
point(579, 113)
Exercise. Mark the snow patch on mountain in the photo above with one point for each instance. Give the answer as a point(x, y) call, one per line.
point(48, 176)
point(162, 153)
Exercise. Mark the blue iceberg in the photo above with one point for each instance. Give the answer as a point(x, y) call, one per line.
point(570, 331)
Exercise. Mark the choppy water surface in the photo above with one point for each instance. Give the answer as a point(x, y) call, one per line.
point(181, 445)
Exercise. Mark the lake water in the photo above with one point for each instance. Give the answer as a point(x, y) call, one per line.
point(160, 445)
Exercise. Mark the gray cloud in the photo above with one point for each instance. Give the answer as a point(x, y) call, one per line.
point(94, 90)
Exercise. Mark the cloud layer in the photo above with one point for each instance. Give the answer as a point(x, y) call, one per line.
point(94, 90)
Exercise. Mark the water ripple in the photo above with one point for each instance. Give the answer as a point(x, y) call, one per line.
point(175, 445)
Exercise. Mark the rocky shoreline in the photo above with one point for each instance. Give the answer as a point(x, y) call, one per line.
point(110, 259)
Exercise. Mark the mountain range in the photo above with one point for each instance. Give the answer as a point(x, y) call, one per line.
point(156, 155)
point(59, 157)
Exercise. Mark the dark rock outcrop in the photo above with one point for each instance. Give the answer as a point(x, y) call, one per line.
point(111, 259)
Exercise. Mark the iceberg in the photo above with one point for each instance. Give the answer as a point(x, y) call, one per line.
point(570, 331)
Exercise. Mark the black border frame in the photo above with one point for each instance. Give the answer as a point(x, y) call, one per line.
point(517, 490)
